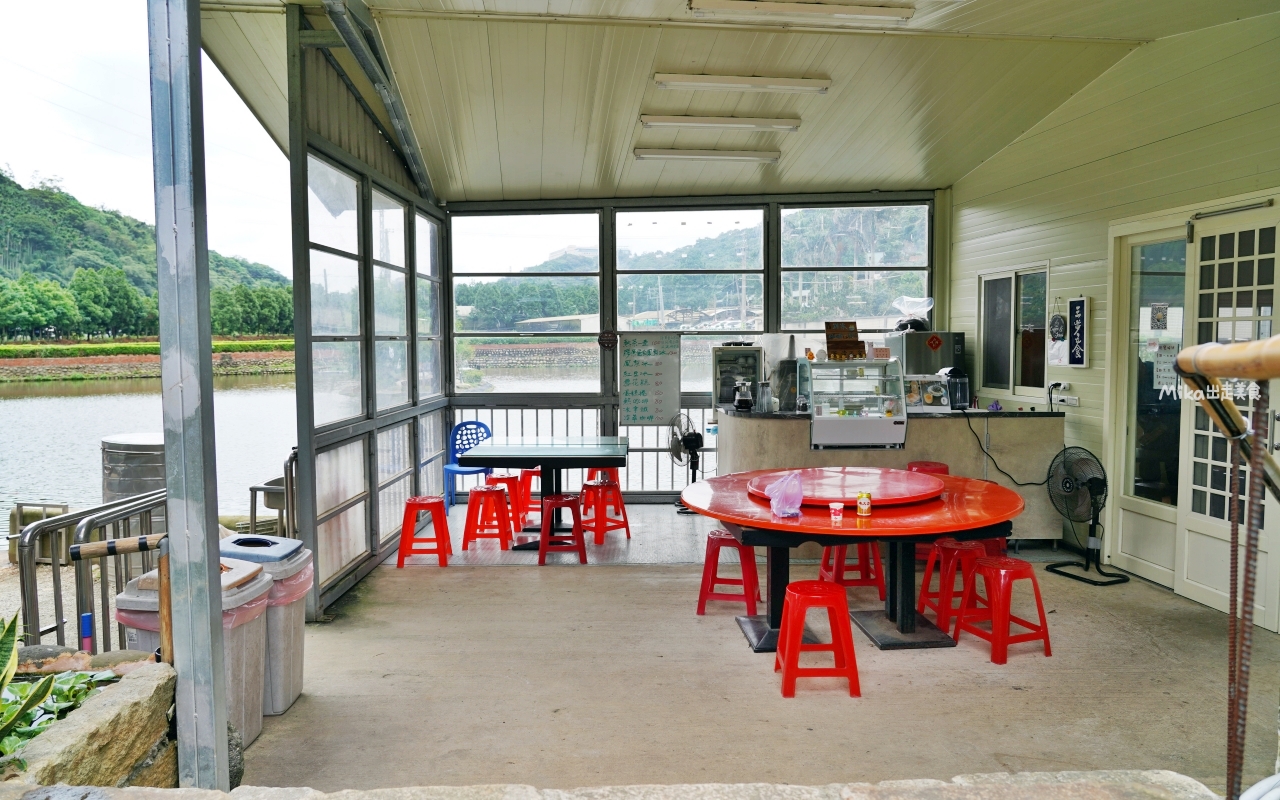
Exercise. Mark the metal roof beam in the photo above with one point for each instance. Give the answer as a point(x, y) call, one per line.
point(354, 24)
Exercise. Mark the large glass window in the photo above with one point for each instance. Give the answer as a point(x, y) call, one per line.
point(427, 260)
point(334, 230)
point(851, 263)
point(390, 303)
point(699, 272)
point(526, 292)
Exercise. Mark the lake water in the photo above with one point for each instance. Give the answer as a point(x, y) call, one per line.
point(52, 448)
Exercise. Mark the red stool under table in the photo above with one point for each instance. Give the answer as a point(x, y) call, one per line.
point(515, 504)
point(997, 547)
point(931, 468)
point(835, 566)
point(998, 575)
point(947, 555)
point(611, 473)
point(435, 545)
point(802, 596)
point(597, 498)
point(571, 542)
point(487, 517)
point(528, 506)
point(750, 580)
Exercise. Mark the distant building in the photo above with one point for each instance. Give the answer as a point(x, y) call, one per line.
point(574, 250)
point(573, 323)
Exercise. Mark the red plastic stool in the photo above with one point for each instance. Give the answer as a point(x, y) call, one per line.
point(526, 491)
point(750, 581)
point(487, 517)
point(515, 504)
point(835, 566)
point(946, 556)
point(411, 545)
point(597, 497)
point(802, 596)
point(610, 473)
point(997, 547)
point(573, 541)
point(998, 575)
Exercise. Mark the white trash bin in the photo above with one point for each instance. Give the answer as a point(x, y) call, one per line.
point(244, 638)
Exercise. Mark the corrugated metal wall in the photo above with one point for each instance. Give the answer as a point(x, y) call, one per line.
point(334, 113)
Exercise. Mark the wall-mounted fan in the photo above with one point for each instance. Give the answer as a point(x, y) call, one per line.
point(683, 447)
point(1078, 489)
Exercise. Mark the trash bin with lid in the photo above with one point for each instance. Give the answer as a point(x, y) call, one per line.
point(245, 587)
point(290, 565)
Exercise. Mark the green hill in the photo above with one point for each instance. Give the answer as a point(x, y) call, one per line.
point(48, 234)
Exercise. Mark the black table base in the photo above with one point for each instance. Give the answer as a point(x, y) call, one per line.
point(898, 627)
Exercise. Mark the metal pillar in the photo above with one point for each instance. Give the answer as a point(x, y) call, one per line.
point(186, 374)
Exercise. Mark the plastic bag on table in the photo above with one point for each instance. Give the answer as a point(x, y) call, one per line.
point(785, 495)
point(916, 311)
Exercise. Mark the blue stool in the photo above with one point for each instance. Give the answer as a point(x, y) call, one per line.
point(463, 437)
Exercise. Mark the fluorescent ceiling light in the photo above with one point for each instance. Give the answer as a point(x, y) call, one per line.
point(752, 156)
point(737, 83)
point(727, 123)
point(833, 8)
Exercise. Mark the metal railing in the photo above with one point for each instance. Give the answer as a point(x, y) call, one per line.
point(47, 536)
point(278, 495)
point(124, 521)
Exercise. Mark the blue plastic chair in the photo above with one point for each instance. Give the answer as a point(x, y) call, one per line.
point(463, 437)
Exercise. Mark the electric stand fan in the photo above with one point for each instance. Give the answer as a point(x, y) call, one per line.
point(683, 448)
point(1078, 489)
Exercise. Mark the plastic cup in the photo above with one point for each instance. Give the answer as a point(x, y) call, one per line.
point(837, 512)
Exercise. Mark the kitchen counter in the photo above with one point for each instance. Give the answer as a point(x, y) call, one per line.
point(1023, 442)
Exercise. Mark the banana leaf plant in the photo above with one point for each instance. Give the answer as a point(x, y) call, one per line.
point(30, 696)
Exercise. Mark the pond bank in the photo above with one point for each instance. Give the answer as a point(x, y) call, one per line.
point(137, 366)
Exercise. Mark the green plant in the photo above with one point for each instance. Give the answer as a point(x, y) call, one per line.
point(16, 700)
point(26, 709)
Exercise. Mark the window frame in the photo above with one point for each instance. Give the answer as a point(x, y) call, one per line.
point(1015, 390)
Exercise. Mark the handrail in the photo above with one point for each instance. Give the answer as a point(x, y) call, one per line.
point(141, 507)
point(1254, 361)
point(28, 541)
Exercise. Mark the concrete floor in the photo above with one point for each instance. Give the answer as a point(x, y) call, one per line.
point(569, 676)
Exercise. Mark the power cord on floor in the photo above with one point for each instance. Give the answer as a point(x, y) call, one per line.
point(983, 448)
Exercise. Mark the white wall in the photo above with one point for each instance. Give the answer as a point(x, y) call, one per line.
point(1179, 121)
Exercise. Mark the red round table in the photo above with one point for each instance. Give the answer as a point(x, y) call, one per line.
point(968, 508)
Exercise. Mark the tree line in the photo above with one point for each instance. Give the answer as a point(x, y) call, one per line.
point(105, 303)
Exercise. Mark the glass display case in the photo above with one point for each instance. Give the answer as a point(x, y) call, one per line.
point(855, 403)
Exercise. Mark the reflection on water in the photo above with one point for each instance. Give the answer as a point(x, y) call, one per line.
point(52, 450)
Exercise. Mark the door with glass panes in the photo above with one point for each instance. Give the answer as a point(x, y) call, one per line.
point(1232, 291)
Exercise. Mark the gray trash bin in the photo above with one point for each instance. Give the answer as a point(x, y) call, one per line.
point(244, 640)
point(289, 565)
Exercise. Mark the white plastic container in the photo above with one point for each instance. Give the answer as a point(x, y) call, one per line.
point(244, 640)
point(286, 630)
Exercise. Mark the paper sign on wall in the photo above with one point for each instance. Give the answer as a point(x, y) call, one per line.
point(648, 378)
point(1163, 374)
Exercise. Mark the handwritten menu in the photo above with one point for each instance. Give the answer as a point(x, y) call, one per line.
point(649, 378)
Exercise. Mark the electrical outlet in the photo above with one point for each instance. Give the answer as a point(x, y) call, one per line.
point(1065, 387)
point(1065, 400)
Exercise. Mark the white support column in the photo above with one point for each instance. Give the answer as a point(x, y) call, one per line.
point(186, 374)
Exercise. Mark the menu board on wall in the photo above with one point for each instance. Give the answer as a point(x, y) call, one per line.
point(648, 378)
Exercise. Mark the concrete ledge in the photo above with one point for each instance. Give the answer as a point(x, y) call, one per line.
point(1103, 785)
point(116, 735)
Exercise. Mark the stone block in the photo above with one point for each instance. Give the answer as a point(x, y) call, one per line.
point(101, 743)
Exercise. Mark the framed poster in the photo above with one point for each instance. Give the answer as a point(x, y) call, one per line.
point(1057, 340)
point(1078, 332)
point(648, 378)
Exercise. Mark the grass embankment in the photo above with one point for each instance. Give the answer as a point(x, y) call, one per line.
point(87, 349)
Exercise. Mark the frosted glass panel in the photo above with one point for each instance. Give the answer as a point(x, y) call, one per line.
point(430, 435)
point(391, 507)
point(427, 246)
point(390, 309)
point(340, 476)
point(394, 455)
point(388, 229)
point(429, 384)
point(332, 215)
point(392, 368)
point(342, 540)
point(335, 295)
point(336, 387)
